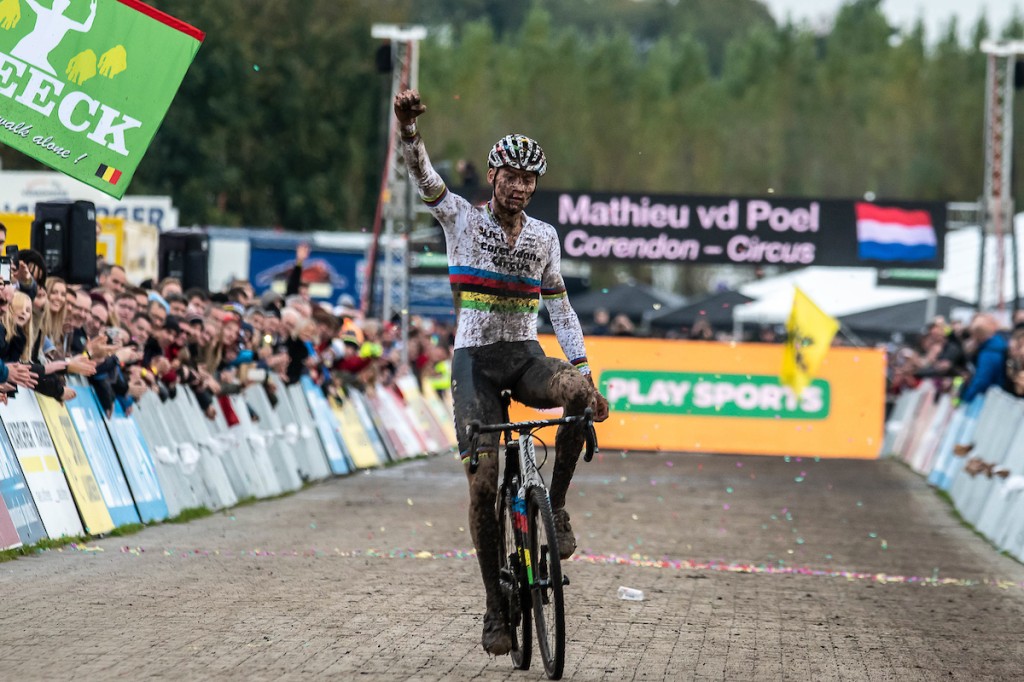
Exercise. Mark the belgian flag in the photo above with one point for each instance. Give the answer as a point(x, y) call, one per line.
point(109, 174)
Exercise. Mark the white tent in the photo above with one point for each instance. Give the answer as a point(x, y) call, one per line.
point(843, 291)
point(837, 291)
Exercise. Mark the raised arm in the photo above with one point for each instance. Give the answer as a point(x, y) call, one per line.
point(429, 183)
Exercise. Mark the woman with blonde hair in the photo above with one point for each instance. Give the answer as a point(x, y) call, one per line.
point(16, 345)
point(19, 329)
point(52, 324)
point(18, 332)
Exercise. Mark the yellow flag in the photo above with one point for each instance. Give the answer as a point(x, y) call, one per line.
point(809, 335)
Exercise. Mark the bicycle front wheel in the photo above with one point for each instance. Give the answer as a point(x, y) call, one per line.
point(545, 575)
point(512, 578)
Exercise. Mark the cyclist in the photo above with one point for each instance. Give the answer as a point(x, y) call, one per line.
point(501, 262)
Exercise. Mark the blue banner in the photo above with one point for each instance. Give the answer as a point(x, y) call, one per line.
point(327, 425)
point(329, 274)
point(138, 466)
point(88, 421)
point(16, 495)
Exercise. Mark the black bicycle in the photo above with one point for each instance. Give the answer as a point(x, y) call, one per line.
point(530, 572)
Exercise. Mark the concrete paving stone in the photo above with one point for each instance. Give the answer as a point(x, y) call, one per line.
point(324, 584)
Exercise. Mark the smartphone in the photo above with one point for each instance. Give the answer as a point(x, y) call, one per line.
point(12, 253)
point(113, 334)
point(5, 269)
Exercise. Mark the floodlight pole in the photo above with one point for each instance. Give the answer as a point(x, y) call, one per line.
point(397, 197)
point(997, 201)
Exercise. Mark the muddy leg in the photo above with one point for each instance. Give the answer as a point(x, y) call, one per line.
point(570, 389)
point(483, 525)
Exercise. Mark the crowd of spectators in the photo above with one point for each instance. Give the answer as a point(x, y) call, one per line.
point(130, 338)
point(964, 360)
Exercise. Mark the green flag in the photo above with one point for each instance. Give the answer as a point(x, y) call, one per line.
point(85, 84)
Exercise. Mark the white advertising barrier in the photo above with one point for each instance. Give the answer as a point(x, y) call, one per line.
point(252, 475)
point(997, 511)
point(968, 492)
point(904, 419)
point(37, 457)
point(229, 445)
point(920, 416)
point(265, 448)
point(189, 456)
point(409, 441)
point(418, 413)
point(960, 426)
point(439, 408)
point(923, 455)
point(391, 426)
point(300, 434)
point(283, 454)
point(424, 419)
point(896, 422)
point(178, 492)
point(979, 458)
point(213, 472)
point(286, 460)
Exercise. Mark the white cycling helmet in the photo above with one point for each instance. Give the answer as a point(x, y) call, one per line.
point(520, 152)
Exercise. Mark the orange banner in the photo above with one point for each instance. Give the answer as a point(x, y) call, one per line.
point(694, 396)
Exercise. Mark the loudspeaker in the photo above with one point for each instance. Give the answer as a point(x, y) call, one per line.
point(64, 232)
point(185, 254)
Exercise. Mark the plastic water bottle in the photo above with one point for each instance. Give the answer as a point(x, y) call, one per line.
point(629, 594)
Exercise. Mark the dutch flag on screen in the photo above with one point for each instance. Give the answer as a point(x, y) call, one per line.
point(894, 234)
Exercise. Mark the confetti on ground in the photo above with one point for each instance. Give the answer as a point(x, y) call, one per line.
point(632, 560)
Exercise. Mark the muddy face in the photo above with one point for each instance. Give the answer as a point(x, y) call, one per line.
point(513, 188)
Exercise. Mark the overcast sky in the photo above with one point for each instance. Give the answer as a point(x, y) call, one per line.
point(904, 13)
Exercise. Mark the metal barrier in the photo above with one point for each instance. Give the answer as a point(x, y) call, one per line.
point(975, 452)
point(62, 465)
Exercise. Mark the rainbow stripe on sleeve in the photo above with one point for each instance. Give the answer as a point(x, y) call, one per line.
point(549, 294)
point(434, 201)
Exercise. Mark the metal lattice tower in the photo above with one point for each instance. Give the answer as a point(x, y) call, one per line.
point(997, 201)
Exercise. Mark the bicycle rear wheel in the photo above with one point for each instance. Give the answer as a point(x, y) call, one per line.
point(545, 574)
point(513, 579)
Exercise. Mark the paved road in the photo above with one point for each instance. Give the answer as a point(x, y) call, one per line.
point(756, 569)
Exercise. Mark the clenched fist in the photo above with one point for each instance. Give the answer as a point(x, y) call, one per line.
point(408, 106)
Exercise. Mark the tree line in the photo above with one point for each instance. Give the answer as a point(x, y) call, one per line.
point(281, 120)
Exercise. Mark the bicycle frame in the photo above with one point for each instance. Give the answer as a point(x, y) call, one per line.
point(525, 430)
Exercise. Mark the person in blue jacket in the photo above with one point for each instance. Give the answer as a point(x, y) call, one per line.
point(990, 348)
